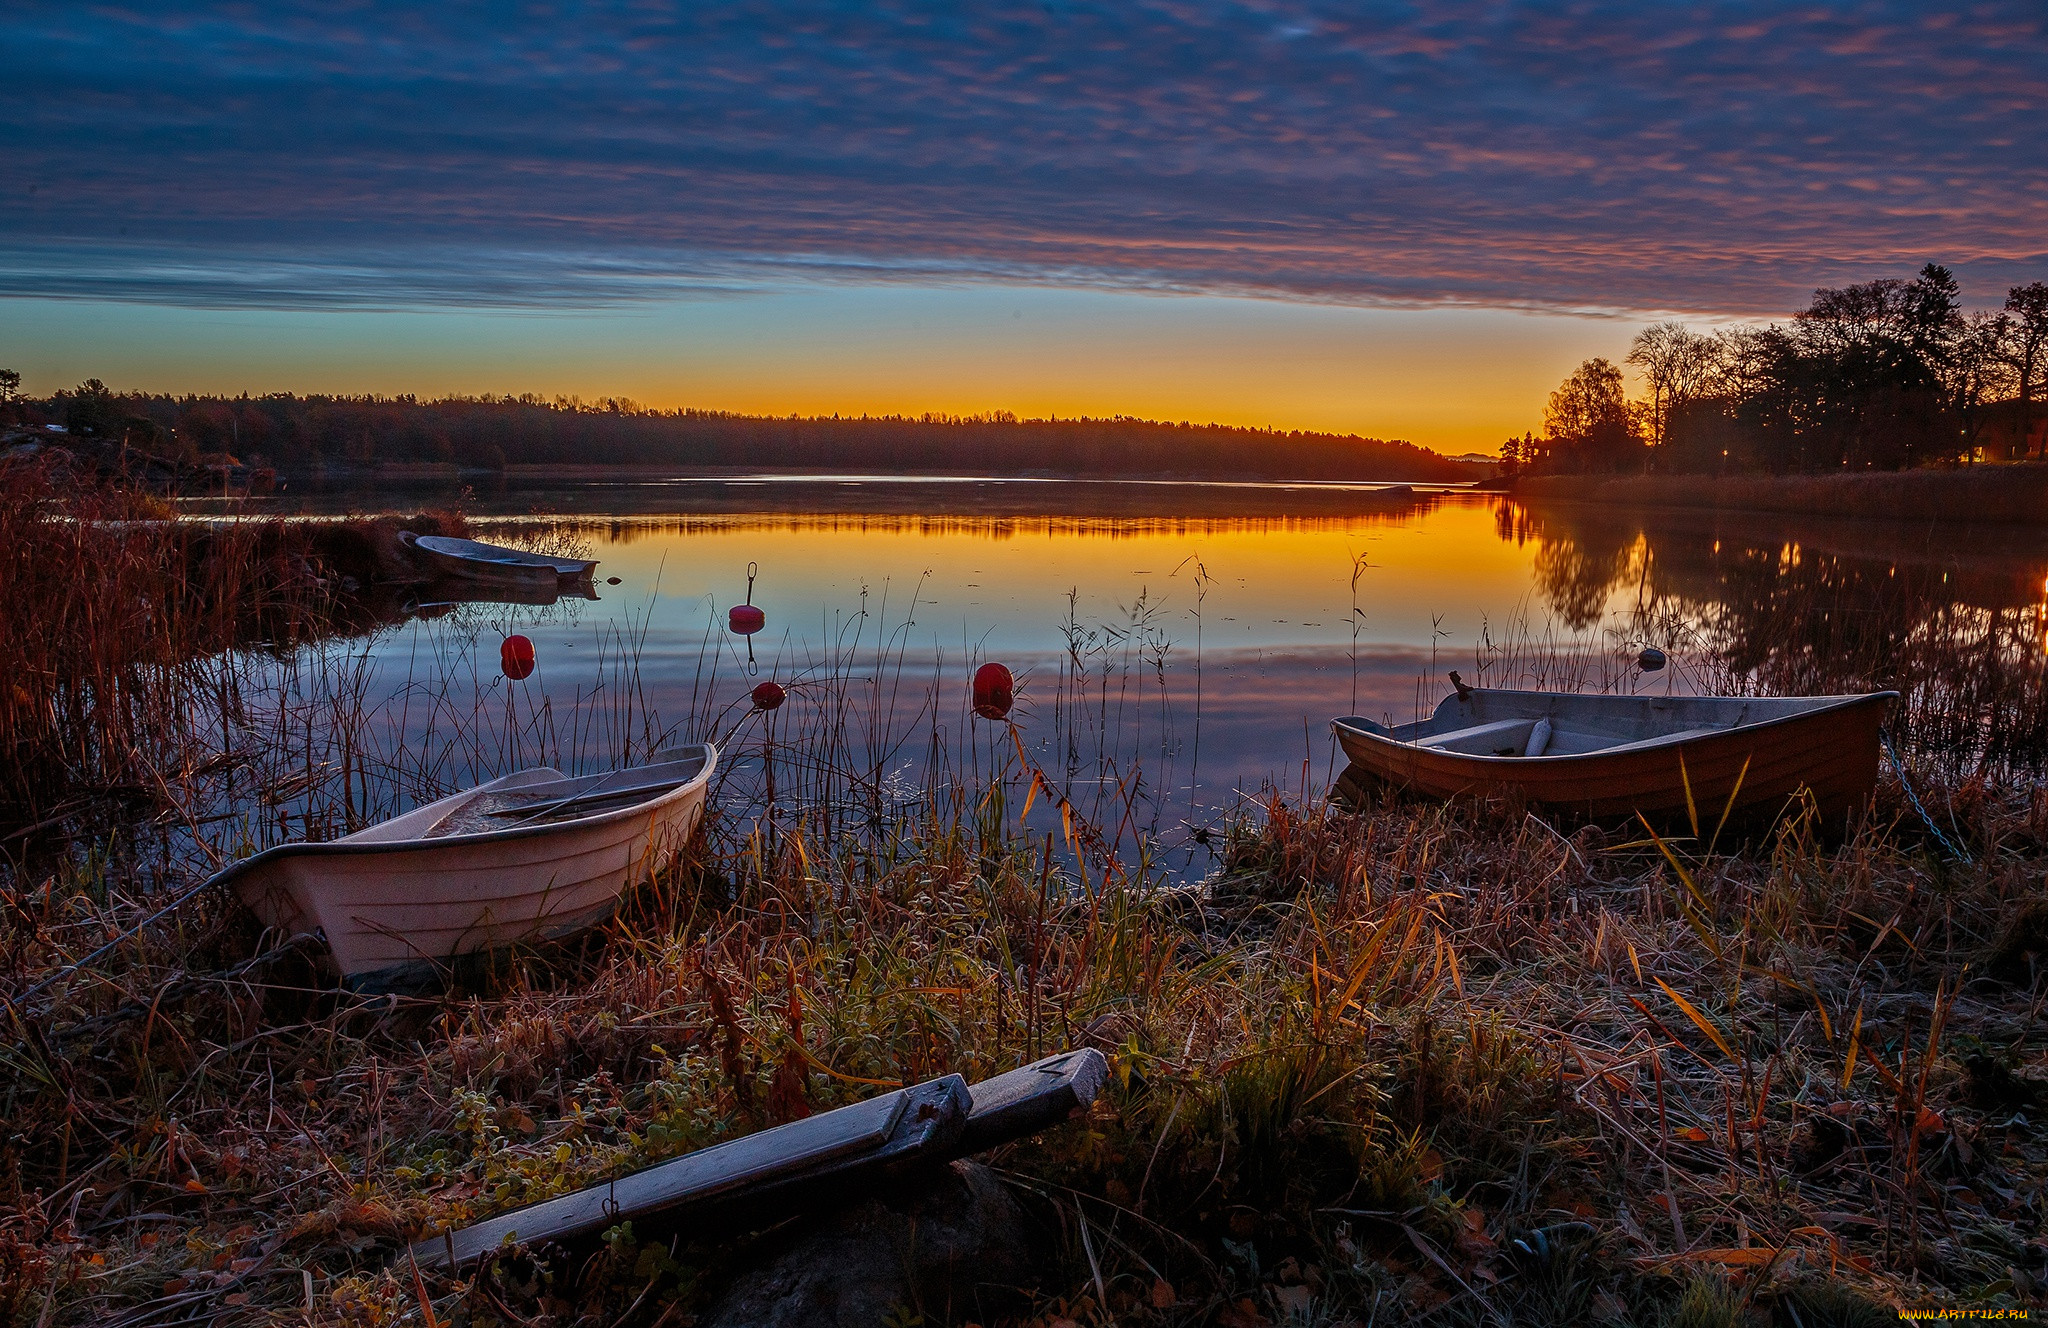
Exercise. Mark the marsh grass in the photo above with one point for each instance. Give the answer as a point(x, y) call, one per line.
point(1392, 1064)
point(134, 645)
point(110, 615)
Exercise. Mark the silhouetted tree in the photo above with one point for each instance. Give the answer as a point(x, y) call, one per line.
point(1587, 423)
point(90, 409)
point(1679, 366)
point(1975, 373)
point(1870, 360)
point(2025, 348)
point(1884, 373)
point(1517, 453)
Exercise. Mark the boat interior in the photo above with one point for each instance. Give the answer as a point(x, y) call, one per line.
point(1489, 722)
point(476, 551)
point(541, 796)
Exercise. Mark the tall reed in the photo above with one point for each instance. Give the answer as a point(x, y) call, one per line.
point(111, 634)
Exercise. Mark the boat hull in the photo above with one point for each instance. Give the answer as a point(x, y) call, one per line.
point(448, 558)
point(393, 908)
point(1830, 752)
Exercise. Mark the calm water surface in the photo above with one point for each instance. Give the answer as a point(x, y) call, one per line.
point(1180, 645)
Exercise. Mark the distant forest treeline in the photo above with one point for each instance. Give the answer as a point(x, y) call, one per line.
point(299, 433)
point(1885, 375)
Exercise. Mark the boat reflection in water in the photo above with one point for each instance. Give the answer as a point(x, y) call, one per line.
point(437, 598)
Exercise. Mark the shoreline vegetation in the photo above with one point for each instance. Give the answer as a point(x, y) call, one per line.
point(298, 435)
point(122, 621)
point(1390, 1065)
point(2012, 493)
point(1885, 375)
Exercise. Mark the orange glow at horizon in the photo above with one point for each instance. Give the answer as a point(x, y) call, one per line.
point(1454, 380)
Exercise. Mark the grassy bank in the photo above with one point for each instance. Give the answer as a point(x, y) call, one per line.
point(1350, 1073)
point(2004, 493)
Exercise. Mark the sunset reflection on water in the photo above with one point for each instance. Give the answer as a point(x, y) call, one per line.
point(1218, 629)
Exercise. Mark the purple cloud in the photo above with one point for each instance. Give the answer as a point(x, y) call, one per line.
point(1640, 156)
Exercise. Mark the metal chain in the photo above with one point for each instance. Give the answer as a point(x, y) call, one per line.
point(1906, 783)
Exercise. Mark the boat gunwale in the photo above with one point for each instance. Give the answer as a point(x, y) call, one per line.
point(1672, 740)
point(499, 555)
point(337, 847)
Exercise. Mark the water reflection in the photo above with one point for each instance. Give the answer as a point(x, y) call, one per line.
point(1099, 502)
point(1955, 619)
point(1173, 655)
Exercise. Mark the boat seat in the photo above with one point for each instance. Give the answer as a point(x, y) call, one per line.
point(1683, 735)
point(1482, 739)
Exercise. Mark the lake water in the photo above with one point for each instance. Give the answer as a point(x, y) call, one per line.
point(1179, 646)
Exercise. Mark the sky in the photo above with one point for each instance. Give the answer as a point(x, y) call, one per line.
point(1402, 220)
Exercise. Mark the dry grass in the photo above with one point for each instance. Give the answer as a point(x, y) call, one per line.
point(111, 617)
point(127, 638)
point(1375, 1052)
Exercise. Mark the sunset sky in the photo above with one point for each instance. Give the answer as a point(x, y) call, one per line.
point(1399, 220)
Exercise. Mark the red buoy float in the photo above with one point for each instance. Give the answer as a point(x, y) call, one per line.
point(994, 691)
point(515, 656)
point(745, 619)
point(768, 696)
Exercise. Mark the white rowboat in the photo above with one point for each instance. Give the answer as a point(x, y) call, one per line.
point(473, 560)
point(525, 857)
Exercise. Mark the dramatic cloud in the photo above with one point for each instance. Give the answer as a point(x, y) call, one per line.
point(1578, 155)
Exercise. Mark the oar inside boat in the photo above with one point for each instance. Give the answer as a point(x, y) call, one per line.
point(582, 794)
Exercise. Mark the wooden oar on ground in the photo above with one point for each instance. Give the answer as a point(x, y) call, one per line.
point(832, 1157)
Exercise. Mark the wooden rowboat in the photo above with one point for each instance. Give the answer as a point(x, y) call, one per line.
point(1613, 756)
point(473, 560)
point(526, 857)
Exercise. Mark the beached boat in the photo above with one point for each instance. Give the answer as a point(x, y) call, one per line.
point(1611, 756)
point(526, 857)
point(473, 560)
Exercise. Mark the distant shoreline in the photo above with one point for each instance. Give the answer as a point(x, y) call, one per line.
point(2001, 494)
point(526, 474)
